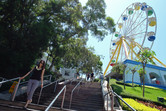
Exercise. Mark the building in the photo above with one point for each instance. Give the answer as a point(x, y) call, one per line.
point(68, 73)
point(155, 75)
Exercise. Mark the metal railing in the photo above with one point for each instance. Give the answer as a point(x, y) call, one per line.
point(9, 80)
point(73, 91)
point(17, 85)
point(2, 79)
point(56, 82)
point(48, 76)
point(64, 88)
point(113, 94)
point(71, 80)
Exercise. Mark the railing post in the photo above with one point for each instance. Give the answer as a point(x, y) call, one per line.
point(70, 100)
point(107, 102)
point(112, 102)
point(72, 93)
point(39, 95)
point(15, 90)
point(55, 86)
point(63, 98)
point(50, 78)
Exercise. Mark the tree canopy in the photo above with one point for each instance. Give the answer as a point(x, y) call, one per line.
point(30, 27)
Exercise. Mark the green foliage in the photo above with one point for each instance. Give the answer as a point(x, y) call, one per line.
point(146, 56)
point(118, 68)
point(30, 27)
point(136, 92)
point(137, 106)
point(97, 80)
point(23, 36)
point(72, 22)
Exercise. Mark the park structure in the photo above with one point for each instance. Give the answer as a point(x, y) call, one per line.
point(135, 31)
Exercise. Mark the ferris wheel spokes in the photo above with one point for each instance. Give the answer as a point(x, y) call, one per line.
point(135, 29)
point(136, 26)
point(133, 22)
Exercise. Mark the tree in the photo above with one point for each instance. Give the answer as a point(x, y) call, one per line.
point(140, 71)
point(23, 35)
point(146, 56)
point(80, 57)
point(119, 68)
point(74, 21)
point(133, 70)
point(30, 27)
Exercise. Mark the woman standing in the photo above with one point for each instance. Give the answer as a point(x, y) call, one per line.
point(37, 75)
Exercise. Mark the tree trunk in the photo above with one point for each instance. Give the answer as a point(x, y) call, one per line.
point(143, 79)
point(52, 64)
point(47, 61)
point(124, 81)
point(132, 79)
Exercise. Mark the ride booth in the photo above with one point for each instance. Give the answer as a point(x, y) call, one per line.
point(155, 75)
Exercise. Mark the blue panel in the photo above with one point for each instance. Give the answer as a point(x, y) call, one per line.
point(147, 65)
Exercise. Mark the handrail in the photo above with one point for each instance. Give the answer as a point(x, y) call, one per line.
point(124, 102)
point(3, 79)
point(15, 89)
point(50, 77)
point(72, 79)
point(17, 86)
point(43, 88)
point(112, 101)
point(73, 91)
point(9, 80)
point(16, 79)
point(64, 88)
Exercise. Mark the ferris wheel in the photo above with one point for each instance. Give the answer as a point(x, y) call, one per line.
point(135, 29)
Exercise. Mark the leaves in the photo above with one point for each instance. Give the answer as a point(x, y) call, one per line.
point(30, 27)
point(118, 68)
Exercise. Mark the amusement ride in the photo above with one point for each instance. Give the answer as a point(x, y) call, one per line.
point(135, 29)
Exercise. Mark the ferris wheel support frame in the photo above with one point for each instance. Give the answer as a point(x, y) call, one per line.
point(118, 47)
point(130, 47)
point(119, 50)
point(124, 45)
point(111, 59)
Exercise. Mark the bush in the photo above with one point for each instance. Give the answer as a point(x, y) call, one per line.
point(137, 106)
point(97, 80)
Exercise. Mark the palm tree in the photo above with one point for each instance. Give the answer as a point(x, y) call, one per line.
point(133, 71)
point(146, 56)
point(140, 71)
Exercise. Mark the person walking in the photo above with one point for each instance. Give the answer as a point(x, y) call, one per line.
point(92, 76)
point(87, 75)
point(101, 78)
point(77, 75)
point(37, 75)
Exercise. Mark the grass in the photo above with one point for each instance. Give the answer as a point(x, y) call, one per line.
point(151, 93)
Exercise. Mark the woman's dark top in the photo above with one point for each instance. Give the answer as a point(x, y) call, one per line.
point(36, 74)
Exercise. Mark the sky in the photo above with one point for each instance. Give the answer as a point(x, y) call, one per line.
point(114, 9)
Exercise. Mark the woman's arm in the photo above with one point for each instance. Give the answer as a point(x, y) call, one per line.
point(26, 74)
point(42, 77)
